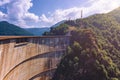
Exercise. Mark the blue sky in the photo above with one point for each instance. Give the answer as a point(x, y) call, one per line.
point(45, 6)
point(45, 13)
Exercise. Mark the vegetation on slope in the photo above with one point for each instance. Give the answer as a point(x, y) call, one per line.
point(97, 55)
point(85, 60)
point(59, 30)
point(107, 31)
point(7, 29)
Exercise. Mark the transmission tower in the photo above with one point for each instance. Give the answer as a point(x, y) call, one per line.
point(81, 21)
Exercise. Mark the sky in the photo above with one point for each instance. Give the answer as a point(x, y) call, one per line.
point(45, 13)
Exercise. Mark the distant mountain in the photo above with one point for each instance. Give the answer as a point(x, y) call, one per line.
point(37, 31)
point(7, 29)
point(40, 31)
point(57, 24)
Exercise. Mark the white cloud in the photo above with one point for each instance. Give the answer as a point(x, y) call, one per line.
point(59, 15)
point(31, 17)
point(96, 6)
point(18, 12)
point(18, 8)
point(103, 6)
point(2, 2)
point(2, 16)
point(44, 18)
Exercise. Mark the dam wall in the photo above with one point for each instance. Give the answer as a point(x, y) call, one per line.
point(30, 58)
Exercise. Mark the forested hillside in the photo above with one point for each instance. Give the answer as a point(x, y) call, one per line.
point(94, 52)
point(7, 29)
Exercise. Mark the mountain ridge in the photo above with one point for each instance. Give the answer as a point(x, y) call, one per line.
point(7, 29)
point(37, 31)
point(94, 49)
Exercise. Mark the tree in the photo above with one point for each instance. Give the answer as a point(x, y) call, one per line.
point(86, 61)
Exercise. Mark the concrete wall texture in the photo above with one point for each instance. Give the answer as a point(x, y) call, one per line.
point(31, 58)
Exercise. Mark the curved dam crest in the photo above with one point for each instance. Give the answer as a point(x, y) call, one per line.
point(30, 58)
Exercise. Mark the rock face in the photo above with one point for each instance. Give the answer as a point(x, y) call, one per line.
point(30, 58)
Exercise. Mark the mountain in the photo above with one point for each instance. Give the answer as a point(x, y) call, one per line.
point(7, 29)
point(99, 33)
point(86, 60)
point(37, 31)
point(57, 24)
point(116, 14)
point(40, 31)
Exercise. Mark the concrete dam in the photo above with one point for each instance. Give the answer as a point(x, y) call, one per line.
point(30, 58)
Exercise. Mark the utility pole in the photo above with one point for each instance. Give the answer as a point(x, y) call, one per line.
point(81, 14)
point(81, 22)
point(69, 18)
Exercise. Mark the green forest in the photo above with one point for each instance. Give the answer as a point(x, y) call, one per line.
point(7, 29)
point(94, 51)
